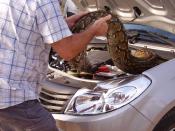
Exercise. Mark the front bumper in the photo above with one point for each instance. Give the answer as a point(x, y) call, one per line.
point(126, 118)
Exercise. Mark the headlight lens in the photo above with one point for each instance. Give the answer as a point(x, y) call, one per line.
point(107, 96)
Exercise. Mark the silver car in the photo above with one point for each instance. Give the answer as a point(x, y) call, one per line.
point(114, 100)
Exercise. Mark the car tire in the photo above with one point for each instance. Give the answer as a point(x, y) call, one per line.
point(167, 123)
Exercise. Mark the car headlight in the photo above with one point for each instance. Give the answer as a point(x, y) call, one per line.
point(107, 96)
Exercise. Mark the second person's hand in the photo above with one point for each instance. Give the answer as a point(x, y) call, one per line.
point(71, 21)
point(100, 26)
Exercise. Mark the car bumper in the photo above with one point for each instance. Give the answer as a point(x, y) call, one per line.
point(126, 118)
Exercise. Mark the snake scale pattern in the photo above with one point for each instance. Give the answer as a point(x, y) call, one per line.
point(129, 61)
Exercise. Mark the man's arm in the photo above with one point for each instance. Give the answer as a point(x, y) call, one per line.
point(71, 46)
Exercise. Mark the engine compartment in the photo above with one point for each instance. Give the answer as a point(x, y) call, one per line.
point(96, 63)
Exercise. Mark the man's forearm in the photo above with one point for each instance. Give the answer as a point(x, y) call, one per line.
point(71, 46)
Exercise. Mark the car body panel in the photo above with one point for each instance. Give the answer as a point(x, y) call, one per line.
point(159, 98)
point(125, 119)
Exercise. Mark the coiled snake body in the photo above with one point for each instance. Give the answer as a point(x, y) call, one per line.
point(122, 56)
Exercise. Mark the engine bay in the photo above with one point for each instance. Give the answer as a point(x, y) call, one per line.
point(96, 64)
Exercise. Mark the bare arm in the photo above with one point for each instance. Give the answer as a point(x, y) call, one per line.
point(71, 46)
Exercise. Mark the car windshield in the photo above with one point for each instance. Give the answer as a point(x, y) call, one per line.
point(151, 33)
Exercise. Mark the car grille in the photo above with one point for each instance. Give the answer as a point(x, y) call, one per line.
point(55, 102)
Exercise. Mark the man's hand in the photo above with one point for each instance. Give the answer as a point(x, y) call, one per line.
point(100, 26)
point(73, 19)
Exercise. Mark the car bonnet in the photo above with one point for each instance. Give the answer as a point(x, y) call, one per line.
point(156, 13)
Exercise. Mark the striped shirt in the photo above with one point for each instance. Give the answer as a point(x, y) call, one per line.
point(27, 27)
